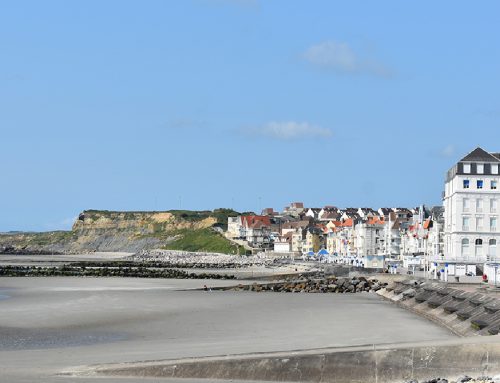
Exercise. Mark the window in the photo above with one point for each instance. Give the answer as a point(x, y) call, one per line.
point(479, 184)
point(494, 185)
point(466, 184)
point(480, 169)
point(493, 223)
point(492, 248)
point(493, 205)
point(466, 204)
point(465, 223)
point(467, 168)
point(479, 223)
point(465, 247)
point(479, 205)
point(494, 169)
point(479, 247)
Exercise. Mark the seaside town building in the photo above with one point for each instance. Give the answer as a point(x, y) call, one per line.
point(455, 239)
point(254, 229)
point(471, 198)
point(294, 210)
point(351, 233)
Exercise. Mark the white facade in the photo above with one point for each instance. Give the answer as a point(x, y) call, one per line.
point(471, 199)
point(368, 238)
point(282, 247)
point(298, 240)
point(492, 270)
point(234, 228)
point(391, 242)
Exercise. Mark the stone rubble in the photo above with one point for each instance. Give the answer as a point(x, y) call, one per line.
point(462, 379)
point(314, 284)
point(204, 260)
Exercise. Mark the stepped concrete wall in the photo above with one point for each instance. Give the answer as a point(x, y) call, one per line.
point(466, 313)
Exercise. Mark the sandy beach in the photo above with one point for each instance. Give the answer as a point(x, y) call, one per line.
point(49, 325)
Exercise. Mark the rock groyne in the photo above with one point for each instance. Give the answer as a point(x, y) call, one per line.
point(315, 284)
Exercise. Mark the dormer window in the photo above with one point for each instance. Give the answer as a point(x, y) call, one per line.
point(467, 168)
point(480, 168)
point(494, 169)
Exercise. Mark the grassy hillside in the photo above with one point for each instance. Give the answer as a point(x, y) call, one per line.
point(203, 240)
point(220, 215)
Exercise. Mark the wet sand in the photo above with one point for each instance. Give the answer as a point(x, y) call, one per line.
point(48, 325)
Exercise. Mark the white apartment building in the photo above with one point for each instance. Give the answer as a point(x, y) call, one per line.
point(471, 199)
point(368, 235)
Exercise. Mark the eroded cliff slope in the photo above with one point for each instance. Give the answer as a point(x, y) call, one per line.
point(101, 230)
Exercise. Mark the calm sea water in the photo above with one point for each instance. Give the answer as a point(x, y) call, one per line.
point(3, 295)
point(39, 339)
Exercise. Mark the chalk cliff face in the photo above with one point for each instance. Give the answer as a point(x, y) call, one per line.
point(137, 222)
point(101, 230)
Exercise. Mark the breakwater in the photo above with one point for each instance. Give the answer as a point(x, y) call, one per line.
point(113, 270)
point(315, 284)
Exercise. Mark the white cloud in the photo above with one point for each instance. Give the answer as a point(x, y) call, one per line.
point(290, 130)
point(332, 54)
point(341, 58)
point(448, 151)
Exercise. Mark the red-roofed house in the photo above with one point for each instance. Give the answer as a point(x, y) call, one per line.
point(348, 222)
point(255, 229)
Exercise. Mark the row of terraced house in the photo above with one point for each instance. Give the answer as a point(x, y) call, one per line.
point(350, 232)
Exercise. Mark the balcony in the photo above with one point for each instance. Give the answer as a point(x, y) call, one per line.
point(464, 259)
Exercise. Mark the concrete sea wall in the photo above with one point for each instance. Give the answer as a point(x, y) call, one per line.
point(368, 365)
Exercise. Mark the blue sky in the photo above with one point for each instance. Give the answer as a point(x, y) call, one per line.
point(144, 105)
